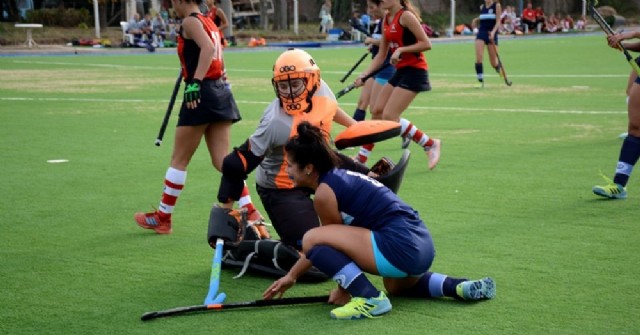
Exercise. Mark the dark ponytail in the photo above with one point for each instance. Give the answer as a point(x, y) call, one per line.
point(310, 146)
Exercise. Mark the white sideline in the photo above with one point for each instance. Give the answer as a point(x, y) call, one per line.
point(427, 108)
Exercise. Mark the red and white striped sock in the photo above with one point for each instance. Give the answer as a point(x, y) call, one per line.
point(245, 202)
point(174, 182)
point(407, 129)
point(364, 153)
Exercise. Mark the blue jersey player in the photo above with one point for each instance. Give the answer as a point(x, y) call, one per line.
point(383, 236)
point(489, 23)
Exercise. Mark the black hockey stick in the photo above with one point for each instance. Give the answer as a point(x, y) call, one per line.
point(503, 73)
point(352, 86)
point(609, 31)
point(353, 68)
point(167, 114)
point(246, 304)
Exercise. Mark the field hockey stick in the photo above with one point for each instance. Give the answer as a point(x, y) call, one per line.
point(353, 68)
point(609, 31)
point(352, 86)
point(214, 283)
point(246, 304)
point(503, 73)
point(167, 114)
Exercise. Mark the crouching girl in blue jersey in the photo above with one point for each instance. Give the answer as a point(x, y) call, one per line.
point(365, 228)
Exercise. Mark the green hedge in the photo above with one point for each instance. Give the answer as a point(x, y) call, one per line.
point(60, 17)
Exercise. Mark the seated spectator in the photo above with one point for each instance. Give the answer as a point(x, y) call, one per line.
point(541, 19)
point(529, 17)
point(365, 21)
point(581, 23)
point(147, 27)
point(354, 21)
point(133, 26)
point(567, 23)
point(159, 28)
point(507, 20)
point(552, 24)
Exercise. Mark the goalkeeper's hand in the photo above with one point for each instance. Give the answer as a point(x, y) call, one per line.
point(192, 93)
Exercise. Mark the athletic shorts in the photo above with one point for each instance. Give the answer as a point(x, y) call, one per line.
point(484, 36)
point(400, 253)
point(383, 76)
point(291, 213)
point(216, 104)
point(412, 79)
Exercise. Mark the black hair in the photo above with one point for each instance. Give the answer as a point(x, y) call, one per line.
point(310, 146)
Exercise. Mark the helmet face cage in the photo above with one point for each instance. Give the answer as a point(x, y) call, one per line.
point(296, 77)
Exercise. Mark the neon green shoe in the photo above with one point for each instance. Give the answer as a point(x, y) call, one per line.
point(359, 308)
point(480, 289)
point(611, 190)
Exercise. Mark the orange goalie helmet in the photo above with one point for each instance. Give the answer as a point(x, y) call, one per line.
point(296, 77)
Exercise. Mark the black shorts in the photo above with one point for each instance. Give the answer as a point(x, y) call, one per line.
point(483, 35)
point(216, 104)
point(291, 213)
point(412, 79)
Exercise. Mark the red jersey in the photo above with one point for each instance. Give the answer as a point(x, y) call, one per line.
point(189, 52)
point(397, 36)
point(529, 14)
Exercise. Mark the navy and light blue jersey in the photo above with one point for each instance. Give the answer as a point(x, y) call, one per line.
point(374, 203)
point(400, 234)
point(487, 17)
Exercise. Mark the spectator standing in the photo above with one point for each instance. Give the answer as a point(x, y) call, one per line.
point(219, 18)
point(326, 21)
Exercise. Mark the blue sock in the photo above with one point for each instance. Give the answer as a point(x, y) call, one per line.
point(435, 285)
point(479, 71)
point(343, 270)
point(359, 114)
point(629, 154)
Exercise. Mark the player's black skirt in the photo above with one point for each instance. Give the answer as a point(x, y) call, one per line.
point(216, 104)
point(412, 79)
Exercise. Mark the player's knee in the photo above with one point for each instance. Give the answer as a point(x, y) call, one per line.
point(311, 239)
point(217, 163)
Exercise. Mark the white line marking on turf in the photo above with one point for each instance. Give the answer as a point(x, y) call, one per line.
point(265, 103)
point(231, 70)
point(54, 161)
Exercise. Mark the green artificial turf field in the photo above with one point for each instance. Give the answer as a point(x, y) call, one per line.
point(511, 197)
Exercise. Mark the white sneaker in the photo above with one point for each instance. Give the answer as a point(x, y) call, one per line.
point(434, 154)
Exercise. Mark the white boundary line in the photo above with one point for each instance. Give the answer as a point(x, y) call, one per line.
point(265, 103)
point(432, 74)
